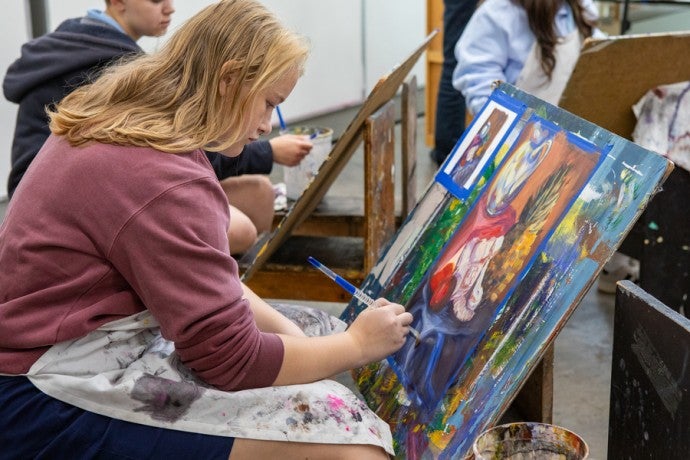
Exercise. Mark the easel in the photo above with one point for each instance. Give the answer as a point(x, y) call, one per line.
point(257, 258)
point(344, 233)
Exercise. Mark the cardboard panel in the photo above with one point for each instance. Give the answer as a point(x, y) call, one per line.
point(613, 73)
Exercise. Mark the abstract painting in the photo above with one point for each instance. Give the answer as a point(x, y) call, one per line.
point(493, 260)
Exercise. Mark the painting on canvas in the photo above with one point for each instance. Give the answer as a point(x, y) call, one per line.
point(493, 264)
point(474, 150)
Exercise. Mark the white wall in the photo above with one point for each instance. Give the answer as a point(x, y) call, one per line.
point(341, 69)
point(393, 29)
point(675, 21)
point(353, 44)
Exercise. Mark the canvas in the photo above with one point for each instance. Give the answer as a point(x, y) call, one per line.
point(493, 260)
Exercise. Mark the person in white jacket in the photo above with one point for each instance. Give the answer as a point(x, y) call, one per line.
point(534, 45)
point(528, 43)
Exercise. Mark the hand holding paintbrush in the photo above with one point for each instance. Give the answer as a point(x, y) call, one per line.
point(356, 292)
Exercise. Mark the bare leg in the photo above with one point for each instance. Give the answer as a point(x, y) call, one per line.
point(254, 449)
point(242, 233)
point(253, 195)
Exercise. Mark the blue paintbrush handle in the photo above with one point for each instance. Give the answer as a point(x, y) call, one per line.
point(349, 287)
point(283, 127)
point(342, 282)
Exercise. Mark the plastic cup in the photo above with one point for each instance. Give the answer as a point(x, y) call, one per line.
point(297, 178)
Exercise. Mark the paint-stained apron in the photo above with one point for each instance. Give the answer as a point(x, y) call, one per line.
point(663, 122)
point(532, 78)
point(128, 371)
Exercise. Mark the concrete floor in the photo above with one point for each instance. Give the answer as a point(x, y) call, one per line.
point(582, 365)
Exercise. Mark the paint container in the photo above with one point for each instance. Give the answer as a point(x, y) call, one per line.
point(526, 440)
point(297, 178)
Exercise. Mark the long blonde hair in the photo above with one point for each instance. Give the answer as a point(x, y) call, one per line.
point(170, 100)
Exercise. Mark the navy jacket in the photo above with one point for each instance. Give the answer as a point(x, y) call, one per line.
point(53, 65)
point(50, 67)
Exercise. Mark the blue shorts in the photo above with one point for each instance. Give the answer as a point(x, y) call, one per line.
point(34, 425)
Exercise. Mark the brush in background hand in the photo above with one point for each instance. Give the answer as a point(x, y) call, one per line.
point(283, 126)
point(349, 287)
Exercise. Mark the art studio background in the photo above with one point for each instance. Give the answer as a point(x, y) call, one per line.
point(348, 56)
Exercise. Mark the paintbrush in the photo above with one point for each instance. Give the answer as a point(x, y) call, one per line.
point(283, 126)
point(352, 289)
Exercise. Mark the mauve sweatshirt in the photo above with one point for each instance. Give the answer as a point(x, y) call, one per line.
point(100, 232)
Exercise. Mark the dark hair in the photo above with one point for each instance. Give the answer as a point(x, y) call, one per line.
point(541, 15)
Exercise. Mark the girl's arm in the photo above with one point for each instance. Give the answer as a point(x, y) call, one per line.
point(376, 333)
point(267, 318)
point(483, 52)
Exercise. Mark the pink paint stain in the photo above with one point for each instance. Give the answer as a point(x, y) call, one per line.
point(335, 403)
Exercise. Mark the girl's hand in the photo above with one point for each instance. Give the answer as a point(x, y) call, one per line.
point(380, 330)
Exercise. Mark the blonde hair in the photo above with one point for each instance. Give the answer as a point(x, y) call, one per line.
point(171, 100)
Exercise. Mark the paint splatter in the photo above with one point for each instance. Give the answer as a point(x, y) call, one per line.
point(165, 399)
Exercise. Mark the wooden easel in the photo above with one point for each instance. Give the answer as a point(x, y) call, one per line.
point(344, 233)
point(384, 91)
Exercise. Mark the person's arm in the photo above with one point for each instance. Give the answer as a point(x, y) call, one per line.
point(372, 337)
point(268, 318)
point(174, 253)
point(375, 334)
point(255, 158)
point(290, 149)
point(223, 166)
point(482, 55)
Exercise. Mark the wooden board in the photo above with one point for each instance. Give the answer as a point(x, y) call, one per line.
point(613, 73)
point(408, 148)
point(379, 186)
point(341, 153)
point(649, 416)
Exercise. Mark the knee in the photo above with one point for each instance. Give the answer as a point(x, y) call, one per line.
point(264, 189)
point(242, 234)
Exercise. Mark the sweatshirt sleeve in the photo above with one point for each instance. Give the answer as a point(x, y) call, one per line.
point(174, 253)
point(482, 55)
point(223, 166)
point(256, 158)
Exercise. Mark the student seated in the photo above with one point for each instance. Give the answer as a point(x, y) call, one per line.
point(125, 331)
point(249, 190)
point(52, 66)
